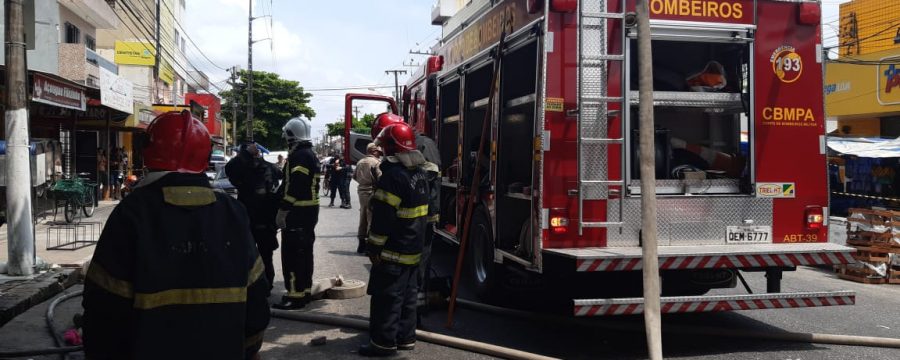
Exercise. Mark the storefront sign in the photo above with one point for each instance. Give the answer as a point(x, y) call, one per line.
point(116, 92)
point(58, 93)
point(720, 11)
point(135, 53)
point(866, 88)
point(888, 81)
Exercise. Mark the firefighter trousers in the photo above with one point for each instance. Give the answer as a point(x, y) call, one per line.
point(424, 267)
point(297, 262)
point(266, 242)
point(365, 215)
point(392, 315)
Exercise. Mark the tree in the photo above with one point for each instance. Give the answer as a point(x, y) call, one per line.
point(275, 100)
point(362, 126)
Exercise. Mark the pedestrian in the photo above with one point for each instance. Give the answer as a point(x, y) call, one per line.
point(280, 163)
point(336, 181)
point(102, 173)
point(399, 217)
point(366, 174)
point(432, 167)
point(326, 184)
point(114, 183)
point(344, 186)
point(256, 181)
point(298, 214)
point(176, 274)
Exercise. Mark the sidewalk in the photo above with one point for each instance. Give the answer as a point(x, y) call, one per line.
point(18, 294)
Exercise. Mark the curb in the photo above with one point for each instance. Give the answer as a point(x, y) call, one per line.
point(19, 296)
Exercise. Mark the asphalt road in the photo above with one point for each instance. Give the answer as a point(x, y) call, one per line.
point(877, 313)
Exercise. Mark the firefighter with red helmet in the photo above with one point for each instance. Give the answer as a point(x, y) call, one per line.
point(382, 121)
point(399, 217)
point(176, 274)
point(298, 214)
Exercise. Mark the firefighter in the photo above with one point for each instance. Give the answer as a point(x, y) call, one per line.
point(432, 167)
point(366, 174)
point(298, 214)
point(399, 217)
point(176, 274)
point(256, 181)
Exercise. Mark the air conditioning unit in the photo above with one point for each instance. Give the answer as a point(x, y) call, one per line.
point(444, 9)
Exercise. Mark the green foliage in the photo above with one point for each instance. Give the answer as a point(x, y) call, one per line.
point(363, 126)
point(275, 100)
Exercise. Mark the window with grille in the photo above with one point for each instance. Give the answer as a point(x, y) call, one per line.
point(73, 34)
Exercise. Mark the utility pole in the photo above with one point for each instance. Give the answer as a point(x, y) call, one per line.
point(652, 317)
point(158, 55)
point(396, 85)
point(234, 104)
point(250, 72)
point(356, 111)
point(19, 229)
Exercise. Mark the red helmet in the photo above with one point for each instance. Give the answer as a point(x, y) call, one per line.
point(397, 138)
point(384, 120)
point(177, 142)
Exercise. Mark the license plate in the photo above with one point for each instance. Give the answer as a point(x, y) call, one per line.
point(748, 235)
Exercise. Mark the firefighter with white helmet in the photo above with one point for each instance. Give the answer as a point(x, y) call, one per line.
point(164, 283)
point(399, 217)
point(298, 214)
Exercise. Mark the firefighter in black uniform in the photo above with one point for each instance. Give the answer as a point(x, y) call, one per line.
point(256, 180)
point(176, 274)
point(432, 168)
point(399, 217)
point(298, 214)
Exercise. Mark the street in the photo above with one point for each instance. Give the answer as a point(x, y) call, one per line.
point(874, 315)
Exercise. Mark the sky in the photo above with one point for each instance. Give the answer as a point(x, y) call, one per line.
point(332, 44)
point(321, 44)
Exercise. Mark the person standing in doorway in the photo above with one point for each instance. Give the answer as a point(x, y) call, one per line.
point(102, 172)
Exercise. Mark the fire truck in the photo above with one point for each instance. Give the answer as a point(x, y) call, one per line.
point(739, 135)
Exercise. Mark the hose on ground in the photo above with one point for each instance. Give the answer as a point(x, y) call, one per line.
point(51, 326)
point(812, 338)
point(434, 338)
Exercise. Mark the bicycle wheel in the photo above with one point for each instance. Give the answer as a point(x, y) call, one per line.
point(70, 211)
point(87, 203)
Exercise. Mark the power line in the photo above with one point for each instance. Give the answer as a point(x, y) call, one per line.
point(186, 35)
point(137, 20)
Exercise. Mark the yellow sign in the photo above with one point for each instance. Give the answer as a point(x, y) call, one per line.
point(787, 64)
point(135, 53)
point(868, 87)
point(166, 72)
point(554, 104)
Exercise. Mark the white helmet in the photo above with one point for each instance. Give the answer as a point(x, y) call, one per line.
point(296, 130)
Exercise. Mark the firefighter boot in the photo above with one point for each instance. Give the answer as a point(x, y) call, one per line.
point(361, 248)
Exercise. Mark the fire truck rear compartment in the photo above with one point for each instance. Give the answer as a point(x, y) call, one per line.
point(701, 118)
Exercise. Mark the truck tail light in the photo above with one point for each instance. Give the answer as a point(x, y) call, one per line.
point(559, 221)
point(815, 218)
point(810, 14)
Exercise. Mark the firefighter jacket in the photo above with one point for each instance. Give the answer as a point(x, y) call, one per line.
point(367, 173)
point(176, 275)
point(256, 180)
point(300, 189)
point(399, 213)
point(434, 191)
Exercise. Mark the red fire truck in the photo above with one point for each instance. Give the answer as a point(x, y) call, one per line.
point(740, 147)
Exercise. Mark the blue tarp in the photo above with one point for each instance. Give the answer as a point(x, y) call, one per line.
point(866, 147)
point(3, 147)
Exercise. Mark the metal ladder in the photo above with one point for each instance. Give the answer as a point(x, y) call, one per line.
point(593, 108)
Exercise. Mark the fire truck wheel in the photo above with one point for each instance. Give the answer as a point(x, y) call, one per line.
point(483, 270)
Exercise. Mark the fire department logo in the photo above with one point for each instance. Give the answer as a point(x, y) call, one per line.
point(787, 64)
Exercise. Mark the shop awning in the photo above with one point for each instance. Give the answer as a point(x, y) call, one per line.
point(866, 147)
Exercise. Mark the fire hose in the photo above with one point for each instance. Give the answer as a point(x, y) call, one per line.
point(499, 351)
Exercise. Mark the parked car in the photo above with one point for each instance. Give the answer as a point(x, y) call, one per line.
point(221, 183)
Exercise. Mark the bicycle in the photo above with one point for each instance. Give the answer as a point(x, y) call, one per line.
point(78, 194)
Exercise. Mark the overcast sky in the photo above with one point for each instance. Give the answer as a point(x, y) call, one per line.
point(321, 44)
point(332, 44)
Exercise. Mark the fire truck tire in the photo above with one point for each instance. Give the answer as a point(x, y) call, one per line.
point(483, 272)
